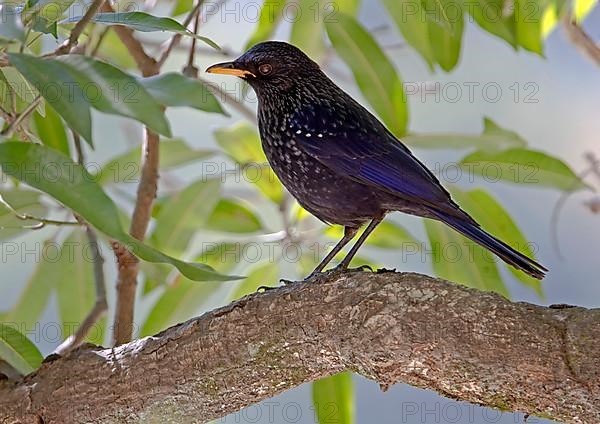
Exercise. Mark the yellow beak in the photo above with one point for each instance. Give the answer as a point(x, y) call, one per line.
point(228, 68)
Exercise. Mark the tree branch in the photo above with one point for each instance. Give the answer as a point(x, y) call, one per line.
point(581, 39)
point(73, 39)
point(145, 63)
point(127, 262)
point(463, 343)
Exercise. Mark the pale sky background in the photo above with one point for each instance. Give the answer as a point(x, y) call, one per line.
point(564, 122)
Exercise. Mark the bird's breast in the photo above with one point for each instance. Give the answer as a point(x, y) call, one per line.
point(326, 194)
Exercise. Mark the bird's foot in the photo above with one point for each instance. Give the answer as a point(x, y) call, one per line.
point(287, 282)
point(340, 269)
point(344, 269)
point(265, 289)
point(385, 270)
point(315, 275)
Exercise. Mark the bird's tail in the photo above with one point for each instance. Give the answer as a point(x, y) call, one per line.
point(470, 229)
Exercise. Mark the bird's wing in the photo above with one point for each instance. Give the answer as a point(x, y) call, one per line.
point(368, 153)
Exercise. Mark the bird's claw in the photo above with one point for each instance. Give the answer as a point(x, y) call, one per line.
point(361, 268)
point(265, 289)
point(286, 282)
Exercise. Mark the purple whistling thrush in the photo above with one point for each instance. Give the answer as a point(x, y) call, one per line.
point(338, 160)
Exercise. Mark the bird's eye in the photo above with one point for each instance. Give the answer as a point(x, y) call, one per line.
point(265, 69)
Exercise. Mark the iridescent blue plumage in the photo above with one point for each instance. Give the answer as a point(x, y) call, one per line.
point(338, 160)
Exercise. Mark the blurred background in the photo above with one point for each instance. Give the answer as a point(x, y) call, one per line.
point(548, 99)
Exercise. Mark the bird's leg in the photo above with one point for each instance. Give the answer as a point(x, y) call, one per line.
point(372, 225)
point(349, 233)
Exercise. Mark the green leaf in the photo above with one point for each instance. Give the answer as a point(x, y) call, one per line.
point(582, 8)
point(523, 166)
point(173, 89)
point(242, 144)
point(493, 137)
point(271, 13)
point(18, 351)
point(73, 84)
point(459, 141)
point(348, 7)
point(495, 219)
point(19, 85)
point(182, 6)
point(45, 75)
point(51, 130)
point(75, 289)
point(493, 129)
point(74, 187)
point(307, 18)
point(20, 201)
point(114, 51)
point(179, 302)
point(182, 299)
point(438, 41)
point(184, 214)
point(5, 94)
point(489, 15)
point(455, 258)
point(264, 274)
point(44, 13)
point(550, 18)
point(387, 235)
point(373, 71)
point(528, 24)
point(333, 399)
point(446, 43)
point(144, 22)
point(27, 310)
point(125, 168)
point(409, 18)
point(44, 26)
point(232, 216)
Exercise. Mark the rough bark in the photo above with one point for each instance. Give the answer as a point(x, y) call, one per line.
point(390, 327)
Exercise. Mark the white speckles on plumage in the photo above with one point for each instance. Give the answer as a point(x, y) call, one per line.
point(290, 119)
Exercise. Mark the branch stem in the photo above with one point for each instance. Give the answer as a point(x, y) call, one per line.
point(14, 125)
point(390, 327)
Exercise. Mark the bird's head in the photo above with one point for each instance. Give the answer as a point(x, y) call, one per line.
point(270, 66)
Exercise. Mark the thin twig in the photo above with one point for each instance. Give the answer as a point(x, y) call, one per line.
point(594, 164)
point(5, 113)
point(190, 70)
point(8, 131)
point(177, 37)
point(73, 39)
point(145, 63)
point(41, 222)
point(27, 32)
point(581, 39)
point(127, 262)
point(562, 200)
point(96, 48)
point(100, 305)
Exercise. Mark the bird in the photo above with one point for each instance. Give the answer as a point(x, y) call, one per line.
point(339, 161)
